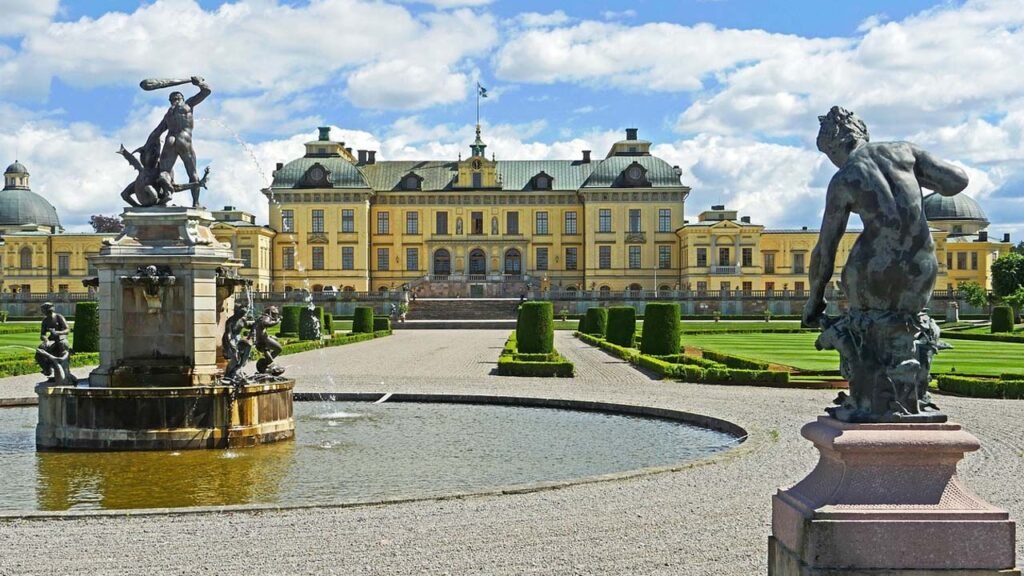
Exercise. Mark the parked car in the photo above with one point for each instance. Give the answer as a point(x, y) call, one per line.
point(330, 291)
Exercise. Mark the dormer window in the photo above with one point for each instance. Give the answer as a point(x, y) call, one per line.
point(542, 182)
point(412, 181)
point(316, 177)
point(635, 175)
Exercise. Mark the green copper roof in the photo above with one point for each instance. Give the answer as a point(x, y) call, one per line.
point(342, 173)
point(19, 207)
point(384, 176)
point(959, 207)
point(608, 172)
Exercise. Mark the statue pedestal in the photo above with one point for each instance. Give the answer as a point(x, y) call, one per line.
point(885, 500)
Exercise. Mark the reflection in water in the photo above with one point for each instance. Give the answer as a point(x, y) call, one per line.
point(348, 452)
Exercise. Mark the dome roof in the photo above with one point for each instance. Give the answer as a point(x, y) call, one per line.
point(19, 207)
point(16, 168)
point(958, 207)
point(340, 173)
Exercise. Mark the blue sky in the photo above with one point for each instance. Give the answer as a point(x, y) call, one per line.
point(727, 89)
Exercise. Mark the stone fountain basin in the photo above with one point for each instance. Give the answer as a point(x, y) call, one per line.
point(164, 418)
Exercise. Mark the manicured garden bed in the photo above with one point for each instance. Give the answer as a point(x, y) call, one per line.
point(541, 364)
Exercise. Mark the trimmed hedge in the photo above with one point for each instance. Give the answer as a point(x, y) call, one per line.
point(1011, 376)
point(1002, 319)
point(513, 363)
point(661, 328)
point(86, 334)
point(290, 318)
point(22, 365)
point(339, 340)
point(535, 329)
point(362, 320)
point(735, 362)
point(20, 328)
point(595, 322)
point(328, 324)
point(306, 331)
point(381, 323)
point(621, 325)
point(984, 337)
point(981, 387)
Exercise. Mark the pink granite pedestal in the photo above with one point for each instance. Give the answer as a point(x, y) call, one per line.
point(885, 500)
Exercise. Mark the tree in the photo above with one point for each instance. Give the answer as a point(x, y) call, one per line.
point(1019, 248)
point(1007, 274)
point(102, 223)
point(973, 294)
point(1016, 301)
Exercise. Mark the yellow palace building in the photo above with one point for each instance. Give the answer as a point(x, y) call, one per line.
point(482, 226)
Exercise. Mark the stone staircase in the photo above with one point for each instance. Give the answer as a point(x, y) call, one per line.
point(461, 313)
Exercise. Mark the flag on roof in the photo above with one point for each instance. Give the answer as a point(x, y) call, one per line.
point(481, 90)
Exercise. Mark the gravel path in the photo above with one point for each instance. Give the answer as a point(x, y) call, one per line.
point(711, 519)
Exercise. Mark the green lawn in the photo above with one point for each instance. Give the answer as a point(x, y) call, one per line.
point(13, 345)
point(797, 350)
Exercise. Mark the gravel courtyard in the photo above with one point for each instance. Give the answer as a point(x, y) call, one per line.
point(709, 519)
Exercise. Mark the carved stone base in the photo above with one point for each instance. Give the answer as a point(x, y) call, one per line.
point(885, 499)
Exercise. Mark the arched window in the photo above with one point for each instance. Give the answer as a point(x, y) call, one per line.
point(318, 288)
point(477, 262)
point(442, 262)
point(663, 288)
point(382, 289)
point(605, 290)
point(349, 289)
point(513, 262)
point(570, 288)
point(26, 258)
point(634, 290)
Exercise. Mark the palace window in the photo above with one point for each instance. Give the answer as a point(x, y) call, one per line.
point(664, 220)
point(513, 262)
point(769, 263)
point(604, 220)
point(664, 257)
point(442, 262)
point(769, 286)
point(542, 258)
point(570, 258)
point(348, 258)
point(90, 266)
point(245, 254)
point(702, 286)
point(604, 257)
point(974, 260)
point(748, 287)
point(348, 220)
point(288, 258)
point(747, 257)
point(949, 260)
point(318, 257)
point(570, 222)
point(799, 287)
point(478, 180)
point(64, 264)
point(634, 220)
point(798, 263)
point(723, 257)
point(383, 223)
point(961, 260)
point(541, 223)
point(512, 222)
point(412, 259)
point(383, 259)
point(634, 257)
point(318, 221)
point(441, 223)
point(412, 222)
point(287, 221)
point(702, 257)
point(477, 222)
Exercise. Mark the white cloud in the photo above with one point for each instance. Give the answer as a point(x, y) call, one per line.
point(257, 46)
point(620, 15)
point(655, 56)
point(443, 4)
point(538, 20)
point(21, 17)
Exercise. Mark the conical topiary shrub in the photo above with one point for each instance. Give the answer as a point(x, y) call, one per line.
point(1002, 319)
point(661, 329)
point(87, 327)
point(596, 322)
point(535, 330)
point(362, 320)
point(621, 325)
point(290, 320)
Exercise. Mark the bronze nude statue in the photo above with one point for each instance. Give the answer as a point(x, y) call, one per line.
point(267, 345)
point(885, 340)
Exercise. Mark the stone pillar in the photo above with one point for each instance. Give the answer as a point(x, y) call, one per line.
point(885, 499)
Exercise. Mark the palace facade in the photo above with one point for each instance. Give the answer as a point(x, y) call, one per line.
point(480, 226)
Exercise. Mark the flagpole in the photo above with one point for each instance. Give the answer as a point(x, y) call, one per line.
point(478, 105)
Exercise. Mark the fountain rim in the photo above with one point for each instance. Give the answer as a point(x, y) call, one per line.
point(744, 443)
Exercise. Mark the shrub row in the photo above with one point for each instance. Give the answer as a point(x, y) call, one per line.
point(328, 324)
point(306, 324)
point(535, 329)
point(87, 327)
point(984, 337)
point(595, 322)
point(340, 340)
point(511, 362)
point(1002, 319)
point(734, 361)
point(362, 320)
point(19, 366)
point(19, 328)
point(981, 387)
point(381, 323)
point(621, 325)
point(705, 371)
point(661, 329)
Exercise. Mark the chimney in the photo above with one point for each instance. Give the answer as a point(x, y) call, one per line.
point(325, 133)
point(586, 156)
point(630, 133)
point(803, 228)
point(349, 150)
point(229, 208)
point(983, 236)
point(718, 207)
point(1006, 237)
point(362, 156)
point(279, 166)
point(371, 156)
point(745, 219)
